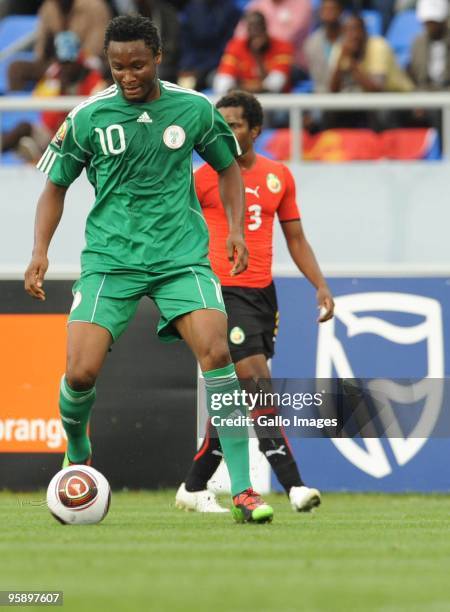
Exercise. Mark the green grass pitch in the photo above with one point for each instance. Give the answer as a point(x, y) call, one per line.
point(357, 552)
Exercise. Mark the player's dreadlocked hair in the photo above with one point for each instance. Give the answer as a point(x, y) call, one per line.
point(133, 27)
point(252, 109)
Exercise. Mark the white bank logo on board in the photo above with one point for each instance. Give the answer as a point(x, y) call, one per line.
point(362, 313)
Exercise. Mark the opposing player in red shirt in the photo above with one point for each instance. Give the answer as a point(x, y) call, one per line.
point(250, 298)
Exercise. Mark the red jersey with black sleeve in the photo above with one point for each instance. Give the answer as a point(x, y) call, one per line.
point(269, 190)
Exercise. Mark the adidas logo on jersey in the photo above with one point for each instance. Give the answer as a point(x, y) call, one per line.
point(145, 118)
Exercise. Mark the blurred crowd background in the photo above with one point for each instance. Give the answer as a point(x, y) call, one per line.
point(55, 47)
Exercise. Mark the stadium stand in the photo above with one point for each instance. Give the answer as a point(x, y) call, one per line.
point(403, 29)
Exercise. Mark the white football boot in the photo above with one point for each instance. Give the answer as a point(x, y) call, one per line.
point(304, 499)
point(198, 501)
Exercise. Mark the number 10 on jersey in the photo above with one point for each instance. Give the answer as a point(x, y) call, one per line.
point(109, 147)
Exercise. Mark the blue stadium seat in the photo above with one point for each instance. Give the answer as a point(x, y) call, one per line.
point(435, 149)
point(401, 33)
point(10, 159)
point(374, 22)
point(13, 118)
point(16, 26)
point(241, 4)
point(306, 86)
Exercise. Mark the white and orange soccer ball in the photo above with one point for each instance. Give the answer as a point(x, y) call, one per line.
point(78, 495)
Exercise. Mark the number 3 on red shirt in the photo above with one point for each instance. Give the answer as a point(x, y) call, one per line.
point(255, 209)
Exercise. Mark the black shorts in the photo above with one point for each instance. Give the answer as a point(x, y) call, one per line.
point(252, 320)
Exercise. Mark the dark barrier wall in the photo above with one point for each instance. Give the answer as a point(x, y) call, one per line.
point(144, 421)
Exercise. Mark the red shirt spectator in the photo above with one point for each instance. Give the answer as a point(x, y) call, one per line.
point(288, 20)
point(257, 63)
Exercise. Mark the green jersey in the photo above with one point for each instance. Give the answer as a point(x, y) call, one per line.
point(138, 156)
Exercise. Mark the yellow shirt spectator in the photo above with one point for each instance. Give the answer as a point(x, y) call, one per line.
point(377, 61)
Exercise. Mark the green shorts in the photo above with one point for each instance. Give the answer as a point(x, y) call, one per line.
point(111, 300)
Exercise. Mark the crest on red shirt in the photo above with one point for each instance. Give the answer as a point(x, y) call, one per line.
point(273, 183)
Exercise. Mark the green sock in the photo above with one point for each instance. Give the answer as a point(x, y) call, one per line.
point(234, 441)
point(75, 409)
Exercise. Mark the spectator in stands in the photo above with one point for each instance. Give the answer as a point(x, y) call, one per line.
point(69, 75)
point(430, 57)
point(365, 63)
point(319, 45)
point(86, 18)
point(288, 20)
point(165, 17)
point(257, 63)
point(362, 63)
point(207, 27)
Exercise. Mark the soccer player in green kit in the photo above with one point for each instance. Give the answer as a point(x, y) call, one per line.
point(145, 234)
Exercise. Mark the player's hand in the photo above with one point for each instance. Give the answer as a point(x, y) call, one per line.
point(34, 276)
point(237, 253)
point(325, 303)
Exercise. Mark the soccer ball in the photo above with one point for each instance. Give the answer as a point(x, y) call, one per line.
point(78, 495)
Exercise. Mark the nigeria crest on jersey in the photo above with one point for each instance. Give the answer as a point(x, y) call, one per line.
point(174, 137)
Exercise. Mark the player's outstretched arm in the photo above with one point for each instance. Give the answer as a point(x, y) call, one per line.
point(48, 214)
point(232, 195)
point(305, 260)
